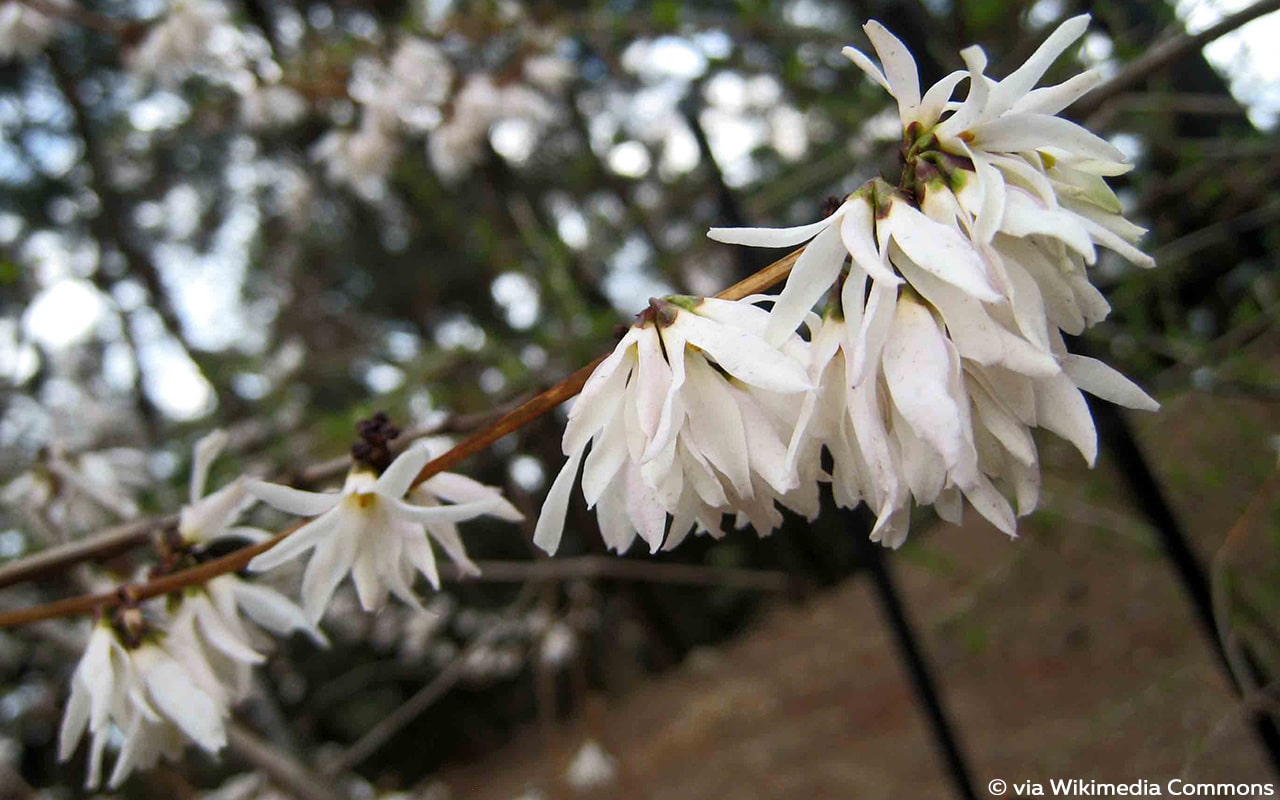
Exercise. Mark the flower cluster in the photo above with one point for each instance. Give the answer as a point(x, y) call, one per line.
point(940, 347)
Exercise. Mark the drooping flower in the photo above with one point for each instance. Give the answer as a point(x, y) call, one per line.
point(209, 615)
point(689, 417)
point(157, 693)
point(370, 531)
point(194, 35)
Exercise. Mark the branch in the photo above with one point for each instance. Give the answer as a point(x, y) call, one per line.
point(1165, 53)
point(118, 539)
point(281, 769)
point(512, 421)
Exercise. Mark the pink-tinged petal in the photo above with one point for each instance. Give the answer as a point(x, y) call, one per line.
point(1061, 409)
point(453, 513)
point(328, 566)
point(1016, 133)
point(550, 527)
point(1053, 99)
point(1022, 80)
point(608, 452)
point(770, 237)
point(293, 501)
point(1100, 380)
point(296, 543)
point(396, 479)
point(644, 510)
point(715, 424)
point(864, 63)
point(206, 451)
point(590, 414)
point(899, 69)
point(611, 513)
point(857, 231)
point(653, 380)
point(813, 275)
point(971, 109)
point(988, 502)
point(940, 250)
point(743, 355)
point(917, 370)
point(455, 488)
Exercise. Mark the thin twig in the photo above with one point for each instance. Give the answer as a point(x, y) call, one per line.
point(411, 709)
point(279, 767)
point(1165, 53)
point(607, 567)
point(508, 423)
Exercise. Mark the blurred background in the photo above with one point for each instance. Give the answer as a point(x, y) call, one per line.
point(279, 216)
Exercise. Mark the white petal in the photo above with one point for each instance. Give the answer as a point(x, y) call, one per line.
point(941, 250)
point(1062, 409)
point(746, 357)
point(550, 527)
point(1100, 380)
point(868, 66)
point(971, 109)
point(191, 709)
point(274, 611)
point(899, 68)
point(715, 424)
point(220, 636)
point(293, 501)
point(1027, 132)
point(917, 370)
point(857, 231)
point(298, 542)
point(813, 275)
point(936, 98)
point(329, 564)
point(206, 451)
point(1052, 99)
point(1019, 82)
point(457, 488)
point(395, 480)
point(771, 237)
point(590, 413)
point(988, 502)
point(874, 332)
point(452, 513)
point(608, 452)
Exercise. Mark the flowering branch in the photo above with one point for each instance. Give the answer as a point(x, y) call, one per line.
point(512, 421)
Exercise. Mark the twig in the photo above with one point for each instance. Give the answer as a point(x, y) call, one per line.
point(411, 709)
point(607, 567)
point(1165, 53)
point(279, 767)
point(508, 423)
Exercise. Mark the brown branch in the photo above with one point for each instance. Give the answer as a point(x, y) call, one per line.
point(508, 423)
point(120, 538)
point(1165, 53)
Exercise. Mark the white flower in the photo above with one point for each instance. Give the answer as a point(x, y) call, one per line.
point(361, 159)
point(591, 768)
point(24, 31)
point(459, 142)
point(78, 491)
point(689, 416)
point(271, 105)
point(156, 697)
point(368, 529)
point(194, 35)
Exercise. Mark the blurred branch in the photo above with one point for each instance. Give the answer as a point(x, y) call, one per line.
point(109, 225)
point(73, 12)
point(614, 567)
point(527, 412)
point(115, 540)
point(280, 768)
point(1161, 55)
point(411, 709)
